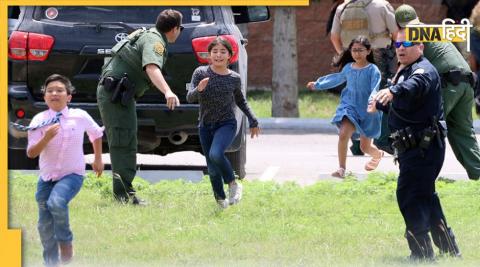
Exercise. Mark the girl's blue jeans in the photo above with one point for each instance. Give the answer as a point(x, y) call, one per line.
point(53, 222)
point(215, 139)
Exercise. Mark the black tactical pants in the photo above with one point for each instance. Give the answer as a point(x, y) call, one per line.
point(419, 203)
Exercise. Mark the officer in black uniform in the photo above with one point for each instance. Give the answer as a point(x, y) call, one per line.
point(414, 104)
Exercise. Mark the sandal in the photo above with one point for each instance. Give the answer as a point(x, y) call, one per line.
point(340, 173)
point(373, 163)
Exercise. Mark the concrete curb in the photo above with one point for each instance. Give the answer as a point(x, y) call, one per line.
point(311, 125)
point(297, 125)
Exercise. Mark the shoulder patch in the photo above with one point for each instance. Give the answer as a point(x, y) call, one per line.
point(159, 48)
point(419, 71)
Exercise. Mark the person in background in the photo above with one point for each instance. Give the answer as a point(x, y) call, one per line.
point(458, 10)
point(474, 58)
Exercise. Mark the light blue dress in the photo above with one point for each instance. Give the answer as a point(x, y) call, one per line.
point(362, 84)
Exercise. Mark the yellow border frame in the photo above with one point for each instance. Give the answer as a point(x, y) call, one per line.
point(11, 253)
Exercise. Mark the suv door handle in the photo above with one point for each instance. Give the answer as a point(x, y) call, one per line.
point(244, 41)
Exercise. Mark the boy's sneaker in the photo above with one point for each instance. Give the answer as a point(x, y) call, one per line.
point(222, 203)
point(235, 193)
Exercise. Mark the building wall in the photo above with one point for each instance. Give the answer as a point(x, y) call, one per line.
point(315, 50)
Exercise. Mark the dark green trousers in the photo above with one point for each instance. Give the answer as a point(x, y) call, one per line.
point(457, 104)
point(386, 63)
point(121, 128)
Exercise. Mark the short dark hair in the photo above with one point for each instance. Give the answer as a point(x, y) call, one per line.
point(59, 78)
point(222, 41)
point(168, 19)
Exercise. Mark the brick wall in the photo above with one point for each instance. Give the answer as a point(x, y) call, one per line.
point(314, 47)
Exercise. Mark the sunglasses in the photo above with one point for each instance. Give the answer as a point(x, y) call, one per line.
point(181, 28)
point(405, 44)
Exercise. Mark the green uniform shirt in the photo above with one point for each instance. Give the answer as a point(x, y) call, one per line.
point(444, 56)
point(149, 48)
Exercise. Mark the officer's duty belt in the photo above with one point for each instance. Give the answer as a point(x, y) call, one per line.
point(456, 76)
point(123, 90)
point(407, 138)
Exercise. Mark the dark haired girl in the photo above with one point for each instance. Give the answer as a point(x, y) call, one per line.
point(363, 80)
point(217, 89)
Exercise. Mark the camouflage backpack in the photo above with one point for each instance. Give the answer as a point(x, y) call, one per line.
point(354, 21)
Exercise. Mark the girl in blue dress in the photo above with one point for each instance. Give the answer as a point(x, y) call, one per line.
point(363, 81)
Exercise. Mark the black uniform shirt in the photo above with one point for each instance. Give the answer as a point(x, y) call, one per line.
point(417, 97)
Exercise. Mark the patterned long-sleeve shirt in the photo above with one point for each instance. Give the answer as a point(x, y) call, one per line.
point(217, 101)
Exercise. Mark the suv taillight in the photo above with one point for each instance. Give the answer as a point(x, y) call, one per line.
point(200, 47)
point(29, 46)
point(17, 45)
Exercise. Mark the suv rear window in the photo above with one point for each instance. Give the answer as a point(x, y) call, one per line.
point(146, 14)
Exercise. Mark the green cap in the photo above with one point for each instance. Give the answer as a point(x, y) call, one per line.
point(405, 14)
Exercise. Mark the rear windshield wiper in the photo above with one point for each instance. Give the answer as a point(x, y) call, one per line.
point(99, 25)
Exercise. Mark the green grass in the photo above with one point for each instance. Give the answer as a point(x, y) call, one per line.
point(330, 223)
point(317, 104)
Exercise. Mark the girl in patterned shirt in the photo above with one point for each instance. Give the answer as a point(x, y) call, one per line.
point(218, 90)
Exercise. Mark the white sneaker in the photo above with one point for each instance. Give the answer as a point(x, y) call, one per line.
point(235, 193)
point(222, 203)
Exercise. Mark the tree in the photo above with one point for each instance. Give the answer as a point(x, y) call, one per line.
point(284, 68)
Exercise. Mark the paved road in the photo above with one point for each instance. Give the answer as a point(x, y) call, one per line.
point(301, 157)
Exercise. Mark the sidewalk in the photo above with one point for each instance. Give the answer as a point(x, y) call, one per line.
point(279, 125)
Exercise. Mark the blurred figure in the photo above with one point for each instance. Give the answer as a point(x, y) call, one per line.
point(474, 58)
point(457, 10)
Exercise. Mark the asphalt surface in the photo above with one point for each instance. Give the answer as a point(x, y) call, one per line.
point(297, 150)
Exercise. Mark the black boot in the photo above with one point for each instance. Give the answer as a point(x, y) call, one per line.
point(420, 247)
point(355, 148)
point(136, 200)
point(444, 239)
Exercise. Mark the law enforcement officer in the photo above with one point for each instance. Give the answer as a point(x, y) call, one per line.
point(135, 65)
point(457, 91)
point(418, 132)
point(380, 27)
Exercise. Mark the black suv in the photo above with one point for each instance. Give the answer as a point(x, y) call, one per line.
point(76, 40)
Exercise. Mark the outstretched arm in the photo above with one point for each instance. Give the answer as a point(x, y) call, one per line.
point(156, 76)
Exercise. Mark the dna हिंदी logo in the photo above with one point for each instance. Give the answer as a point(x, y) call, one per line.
point(448, 31)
